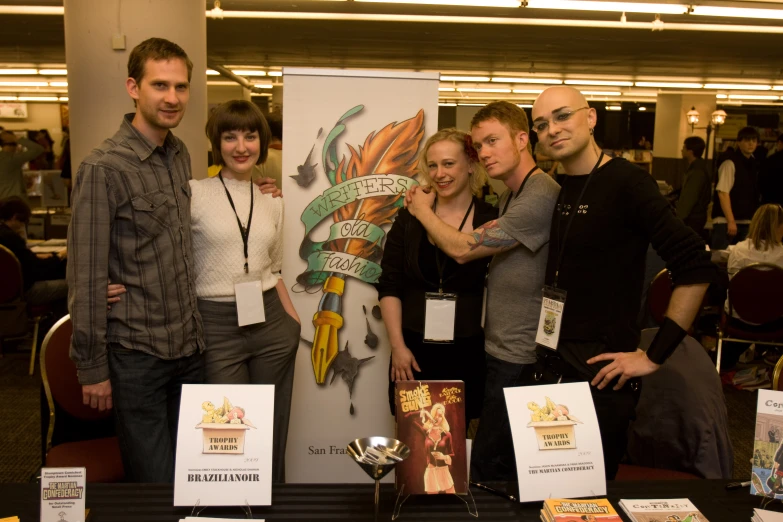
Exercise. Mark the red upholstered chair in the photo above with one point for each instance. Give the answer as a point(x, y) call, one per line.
point(14, 311)
point(629, 472)
point(659, 295)
point(755, 295)
point(101, 457)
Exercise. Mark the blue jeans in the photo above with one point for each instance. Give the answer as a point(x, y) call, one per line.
point(146, 393)
point(492, 458)
point(720, 238)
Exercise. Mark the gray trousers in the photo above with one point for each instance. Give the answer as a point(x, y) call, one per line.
point(262, 353)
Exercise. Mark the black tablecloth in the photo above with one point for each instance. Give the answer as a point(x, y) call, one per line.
point(305, 502)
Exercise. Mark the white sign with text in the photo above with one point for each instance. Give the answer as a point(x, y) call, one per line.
point(557, 442)
point(224, 445)
point(62, 494)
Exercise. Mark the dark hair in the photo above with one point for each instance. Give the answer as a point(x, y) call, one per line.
point(275, 121)
point(156, 49)
point(696, 145)
point(14, 207)
point(509, 114)
point(748, 133)
point(235, 115)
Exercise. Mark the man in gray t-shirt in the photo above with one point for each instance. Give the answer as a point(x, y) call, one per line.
point(516, 276)
point(518, 240)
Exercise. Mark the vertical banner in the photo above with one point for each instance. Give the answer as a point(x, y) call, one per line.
point(351, 145)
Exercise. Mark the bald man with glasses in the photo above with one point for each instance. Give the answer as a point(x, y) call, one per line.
point(607, 213)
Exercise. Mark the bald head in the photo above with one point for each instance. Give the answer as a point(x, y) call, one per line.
point(557, 97)
point(564, 121)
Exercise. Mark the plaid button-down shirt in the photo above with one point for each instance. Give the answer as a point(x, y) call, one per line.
point(131, 225)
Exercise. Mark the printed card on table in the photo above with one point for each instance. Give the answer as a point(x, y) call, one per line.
point(224, 445)
point(767, 475)
point(62, 494)
point(557, 442)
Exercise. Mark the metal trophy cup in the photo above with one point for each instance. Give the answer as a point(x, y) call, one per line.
point(377, 456)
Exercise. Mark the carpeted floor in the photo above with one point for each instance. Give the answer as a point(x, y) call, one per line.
point(20, 418)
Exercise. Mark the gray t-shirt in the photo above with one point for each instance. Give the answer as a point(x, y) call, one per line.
point(516, 277)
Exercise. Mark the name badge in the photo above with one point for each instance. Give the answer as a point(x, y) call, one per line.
point(552, 304)
point(440, 312)
point(250, 303)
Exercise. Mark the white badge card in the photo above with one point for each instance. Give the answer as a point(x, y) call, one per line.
point(62, 494)
point(440, 314)
point(552, 304)
point(250, 303)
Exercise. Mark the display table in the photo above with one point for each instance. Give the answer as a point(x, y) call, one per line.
point(305, 502)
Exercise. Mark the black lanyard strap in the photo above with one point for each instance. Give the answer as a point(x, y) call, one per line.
point(561, 243)
point(244, 231)
point(440, 261)
point(521, 187)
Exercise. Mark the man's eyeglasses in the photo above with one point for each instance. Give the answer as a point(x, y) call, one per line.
point(560, 118)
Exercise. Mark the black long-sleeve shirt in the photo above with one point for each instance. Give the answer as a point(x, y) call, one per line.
point(621, 213)
point(33, 268)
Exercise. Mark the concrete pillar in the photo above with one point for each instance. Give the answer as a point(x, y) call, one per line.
point(671, 129)
point(97, 72)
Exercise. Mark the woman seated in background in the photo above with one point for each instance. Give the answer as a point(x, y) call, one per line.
point(763, 245)
point(238, 238)
point(43, 278)
point(412, 266)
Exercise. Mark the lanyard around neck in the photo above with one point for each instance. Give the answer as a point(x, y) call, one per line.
point(561, 243)
point(244, 231)
point(440, 261)
point(521, 187)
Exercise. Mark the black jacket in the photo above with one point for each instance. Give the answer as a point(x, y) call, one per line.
point(33, 268)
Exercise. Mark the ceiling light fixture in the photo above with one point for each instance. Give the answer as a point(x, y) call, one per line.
point(613, 83)
point(525, 105)
point(753, 97)
point(671, 85)
point(31, 10)
point(528, 91)
point(53, 72)
point(543, 81)
point(38, 98)
point(464, 78)
point(738, 86)
point(461, 3)
point(240, 72)
point(463, 89)
point(613, 108)
point(447, 105)
point(642, 108)
point(18, 72)
point(737, 12)
point(275, 73)
point(58, 84)
point(212, 72)
point(63, 98)
point(618, 7)
point(601, 93)
point(24, 84)
point(8, 98)
point(263, 85)
point(446, 89)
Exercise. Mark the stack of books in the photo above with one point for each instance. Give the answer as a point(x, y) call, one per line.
point(762, 515)
point(752, 378)
point(680, 509)
point(567, 510)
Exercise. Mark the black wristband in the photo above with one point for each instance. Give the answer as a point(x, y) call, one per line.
point(668, 338)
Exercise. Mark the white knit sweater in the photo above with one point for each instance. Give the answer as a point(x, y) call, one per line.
point(218, 250)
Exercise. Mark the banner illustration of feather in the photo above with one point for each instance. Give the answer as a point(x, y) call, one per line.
point(366, 192)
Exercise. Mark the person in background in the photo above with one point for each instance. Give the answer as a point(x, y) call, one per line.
point(736, 193)
point(64, 162)
point(696, 189)
point(272, 168)
point(763, 244)
point(131, 223)
point(413, 265)
point(11, 162)
point(46, 160)
point(771, 176)
point(44, 278)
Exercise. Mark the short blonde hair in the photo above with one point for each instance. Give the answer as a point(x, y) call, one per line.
point(477, 180)
point(763, 231)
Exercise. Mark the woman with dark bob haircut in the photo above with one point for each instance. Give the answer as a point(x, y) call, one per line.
point(238, 252)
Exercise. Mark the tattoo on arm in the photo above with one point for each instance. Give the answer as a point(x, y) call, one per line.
point(491, 235)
